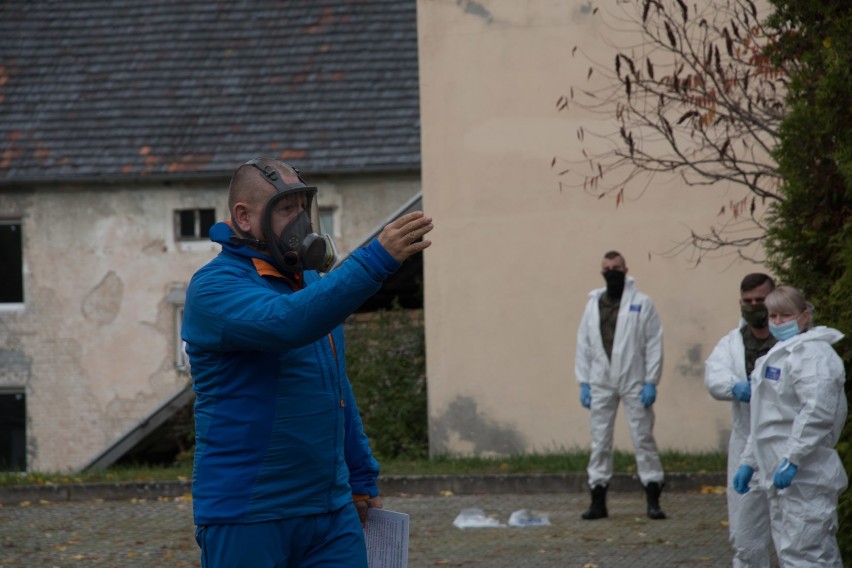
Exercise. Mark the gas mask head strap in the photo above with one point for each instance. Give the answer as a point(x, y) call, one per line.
point(271, 175)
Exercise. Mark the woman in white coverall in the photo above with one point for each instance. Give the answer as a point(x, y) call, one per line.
point(798, 409)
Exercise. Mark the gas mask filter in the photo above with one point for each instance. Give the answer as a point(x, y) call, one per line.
point(299, 247)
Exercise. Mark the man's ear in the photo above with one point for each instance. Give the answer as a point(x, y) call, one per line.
point(242, 217)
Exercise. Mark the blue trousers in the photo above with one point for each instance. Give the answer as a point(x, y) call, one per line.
point(332, 540)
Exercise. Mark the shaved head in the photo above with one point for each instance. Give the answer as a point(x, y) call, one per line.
point(248, 186)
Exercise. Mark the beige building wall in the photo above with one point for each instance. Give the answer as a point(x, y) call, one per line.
point(514, 257)
point(94, 346)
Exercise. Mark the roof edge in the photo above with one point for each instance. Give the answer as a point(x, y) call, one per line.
point(194, 176)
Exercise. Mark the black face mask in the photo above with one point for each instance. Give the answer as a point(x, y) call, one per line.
point(755, 316)
point(614, 283)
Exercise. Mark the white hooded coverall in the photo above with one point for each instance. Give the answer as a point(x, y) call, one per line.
point(798, 409)
point(748, 515)
point(637, 358)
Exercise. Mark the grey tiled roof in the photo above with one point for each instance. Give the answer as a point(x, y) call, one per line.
point(110, 89)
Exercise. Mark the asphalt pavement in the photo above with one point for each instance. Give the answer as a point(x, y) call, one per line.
point(153, 528)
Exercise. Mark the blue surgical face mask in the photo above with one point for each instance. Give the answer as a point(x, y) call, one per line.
point(786, 330)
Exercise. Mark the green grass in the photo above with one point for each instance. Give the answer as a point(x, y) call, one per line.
point(568, 462)
point(143, 474)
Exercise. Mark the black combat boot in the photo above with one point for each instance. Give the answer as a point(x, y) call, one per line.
point(598, 508)
point(652, 492)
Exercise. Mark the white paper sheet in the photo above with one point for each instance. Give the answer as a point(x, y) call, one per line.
point(386, 534)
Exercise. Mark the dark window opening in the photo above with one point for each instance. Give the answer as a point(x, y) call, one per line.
point(13, 434)
point(405, 287)
point(194, 224)
point(169, 444)
point(11, 263)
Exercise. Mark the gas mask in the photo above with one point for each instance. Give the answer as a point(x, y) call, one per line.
point(299, 247)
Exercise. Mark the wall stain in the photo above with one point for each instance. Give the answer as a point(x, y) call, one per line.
point(156, 245)
point(103, 302)
point(724, 438)
point(692, 365)
point(476, 9)
point(15, 368)
point(464, 420)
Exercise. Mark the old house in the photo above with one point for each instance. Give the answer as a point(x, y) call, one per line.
point(120, 125)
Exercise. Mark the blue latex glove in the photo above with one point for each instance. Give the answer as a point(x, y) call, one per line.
point(742, 391)
point(649, 395)
point(742, 478)
point(585, 395)
point(784, 474)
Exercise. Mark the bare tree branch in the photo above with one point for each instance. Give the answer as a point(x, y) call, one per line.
point(696, 96)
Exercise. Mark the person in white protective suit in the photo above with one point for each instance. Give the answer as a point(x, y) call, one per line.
point(619, 358)
point(727, 374)
point(798, 409)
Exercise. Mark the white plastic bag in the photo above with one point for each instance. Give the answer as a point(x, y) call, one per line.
point(528, 518)
point(475, 518)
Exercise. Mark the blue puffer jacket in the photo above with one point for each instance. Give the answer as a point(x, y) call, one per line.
point(278, 432)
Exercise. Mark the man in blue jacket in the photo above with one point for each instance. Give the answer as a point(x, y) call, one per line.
point(283, 471)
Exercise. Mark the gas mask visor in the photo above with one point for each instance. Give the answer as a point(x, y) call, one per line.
point(299, 246)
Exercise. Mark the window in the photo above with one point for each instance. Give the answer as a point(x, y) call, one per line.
point(326, 220)
point(177, 298)
point(13, 434)
point(181, 358)
point(194, 224)
point(11, 263)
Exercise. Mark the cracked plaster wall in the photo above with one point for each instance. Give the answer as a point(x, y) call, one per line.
point(94, 345)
